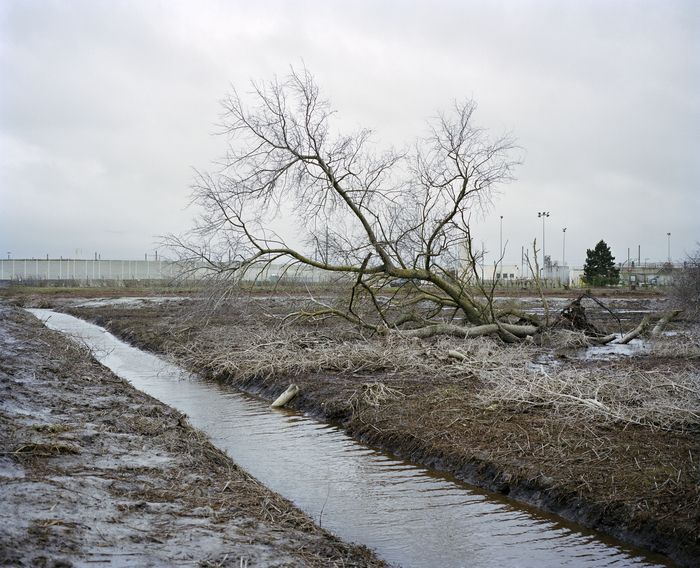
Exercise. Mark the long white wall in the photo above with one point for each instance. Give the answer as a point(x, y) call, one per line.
point(85, 270)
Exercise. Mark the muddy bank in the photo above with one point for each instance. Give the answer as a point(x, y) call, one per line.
point(93, 471)
point(638, 482)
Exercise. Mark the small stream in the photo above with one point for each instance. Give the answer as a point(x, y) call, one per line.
point(409, 515)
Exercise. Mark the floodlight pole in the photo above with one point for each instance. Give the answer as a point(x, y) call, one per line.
point(563, 247)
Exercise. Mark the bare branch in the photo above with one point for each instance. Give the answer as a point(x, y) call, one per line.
point(375, 215)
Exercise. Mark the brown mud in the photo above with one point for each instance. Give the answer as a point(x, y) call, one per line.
point(638, 483)
point(94, 471)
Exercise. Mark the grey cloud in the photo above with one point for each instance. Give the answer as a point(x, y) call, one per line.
point(106, 107)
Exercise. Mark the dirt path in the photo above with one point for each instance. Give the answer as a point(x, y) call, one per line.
point(94, 471)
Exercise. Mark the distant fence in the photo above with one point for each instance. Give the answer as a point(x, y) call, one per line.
point(85, 271)
point(99, 272)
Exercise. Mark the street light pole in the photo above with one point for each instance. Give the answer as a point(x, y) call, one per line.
point(543, 215)
point(669, 246)
point(563, 247)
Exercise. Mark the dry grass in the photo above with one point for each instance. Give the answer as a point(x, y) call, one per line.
point(239, 354)
point(683, 345)
point(669, 400)
point(506, 377)
point(44, 449)
point(374, 394)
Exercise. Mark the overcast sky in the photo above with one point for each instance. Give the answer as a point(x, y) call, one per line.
point(107, 106)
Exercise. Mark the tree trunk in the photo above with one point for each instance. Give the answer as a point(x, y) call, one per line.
point(519, 331)
point(603, 340)
point(636, 332)
point(663, 322)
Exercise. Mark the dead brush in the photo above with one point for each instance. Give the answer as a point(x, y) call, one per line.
point(668, 400)
point(240, 354)
point(374, 395)
point(45, 449)
point(565, 339)
point(283, 352)
point(484, 353)
point(682, 346)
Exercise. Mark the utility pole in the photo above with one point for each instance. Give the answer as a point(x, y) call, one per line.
point(543, 215)
point(669, 247)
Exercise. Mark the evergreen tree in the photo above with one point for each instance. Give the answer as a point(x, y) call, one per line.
point(600, 269)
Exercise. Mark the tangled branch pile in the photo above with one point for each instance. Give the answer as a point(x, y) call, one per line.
point(669, 400)
point(680, 346)
point(484, 372)
point(239, 354)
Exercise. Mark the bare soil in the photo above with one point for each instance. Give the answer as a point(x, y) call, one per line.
point(94, 471)
point(633, 473)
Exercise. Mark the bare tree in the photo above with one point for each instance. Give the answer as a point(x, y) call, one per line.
point(686, 288)
point(381, 218)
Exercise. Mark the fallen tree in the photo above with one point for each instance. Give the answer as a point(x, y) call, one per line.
point(393, 226)
point(394, 223)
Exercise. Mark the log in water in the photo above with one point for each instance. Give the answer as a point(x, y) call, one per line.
point(409, 515)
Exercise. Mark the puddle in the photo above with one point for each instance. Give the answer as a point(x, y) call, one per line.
point(612, 351)
point(129, 301)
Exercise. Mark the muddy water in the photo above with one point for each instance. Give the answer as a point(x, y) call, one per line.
point(410, 516)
